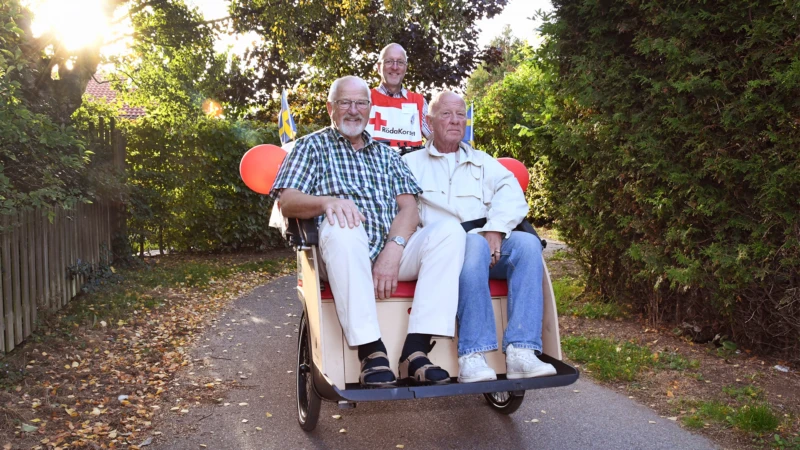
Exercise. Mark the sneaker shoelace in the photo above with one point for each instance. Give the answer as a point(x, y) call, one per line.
point(526, 355)
point(474, 359)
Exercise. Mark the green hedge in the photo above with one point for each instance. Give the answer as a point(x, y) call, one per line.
point(672, 136)
point(186, 193)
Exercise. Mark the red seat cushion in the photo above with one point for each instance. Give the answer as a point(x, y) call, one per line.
point(405, 289)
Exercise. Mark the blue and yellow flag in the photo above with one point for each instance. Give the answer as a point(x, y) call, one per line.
point(286, 126)
point(469, 136)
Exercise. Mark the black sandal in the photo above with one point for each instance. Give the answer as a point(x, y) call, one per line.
point(420, 376)
point(365, 372)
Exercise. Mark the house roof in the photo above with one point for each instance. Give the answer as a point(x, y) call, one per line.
point(103, 90)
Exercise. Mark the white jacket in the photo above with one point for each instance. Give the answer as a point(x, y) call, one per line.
point(480, 187)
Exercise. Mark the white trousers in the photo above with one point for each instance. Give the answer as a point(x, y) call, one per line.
point(433, 256)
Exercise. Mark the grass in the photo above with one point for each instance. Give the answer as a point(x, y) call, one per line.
point(757, 418)
point(567, 290)
point(198, 273)
point(675, 361)
point(559, 255)
point(610, 360)
point(779, 441)
point(117, 302)
point(706, 411)
point(694, 422)
point(715, 410)
point(110, 306)
point(569, 301)
point(549, 234)
point(744, 393)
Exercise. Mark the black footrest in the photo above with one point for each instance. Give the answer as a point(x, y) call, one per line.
point(565, 375)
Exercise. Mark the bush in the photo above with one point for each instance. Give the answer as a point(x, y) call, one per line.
point(186, 193)
point(671, 137)
point(500, 110)
point(42, 163)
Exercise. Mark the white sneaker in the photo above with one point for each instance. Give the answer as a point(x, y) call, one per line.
point(473, 368)
point(523, 363)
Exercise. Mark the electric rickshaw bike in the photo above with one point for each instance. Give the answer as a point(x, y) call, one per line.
point(328, 369)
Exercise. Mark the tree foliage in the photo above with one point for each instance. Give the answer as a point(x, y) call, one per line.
point(44, 159)
point(183, 166)
point(184, 187)
point(314, 42)
point(503, 94)
point(304, 46)
point(182, 182)
point(503, 54)
point(672, 139)
point(41, 162)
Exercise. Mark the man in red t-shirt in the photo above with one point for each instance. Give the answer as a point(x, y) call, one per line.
point(398, 115)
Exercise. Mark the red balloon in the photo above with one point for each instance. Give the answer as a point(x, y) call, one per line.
point(518, 169)
point(260, 165)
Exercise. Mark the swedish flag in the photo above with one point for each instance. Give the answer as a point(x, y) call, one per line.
point(286, 126)
point(469, 136)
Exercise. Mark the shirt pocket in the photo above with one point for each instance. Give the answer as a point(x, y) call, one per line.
point(432, 192)
point(468, 193)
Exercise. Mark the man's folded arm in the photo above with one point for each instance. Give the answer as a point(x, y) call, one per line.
point(295, 203)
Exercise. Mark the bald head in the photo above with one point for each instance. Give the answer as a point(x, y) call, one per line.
point(393, 47)
point(349, 81)
point(447, 117)
point(445, 97)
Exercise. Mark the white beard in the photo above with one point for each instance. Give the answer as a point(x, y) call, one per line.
point(351, 130)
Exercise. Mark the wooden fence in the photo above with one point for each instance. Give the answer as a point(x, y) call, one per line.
point(36, 255)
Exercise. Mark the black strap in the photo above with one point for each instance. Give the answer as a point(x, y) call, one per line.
point(302, 232)
point(523, 226)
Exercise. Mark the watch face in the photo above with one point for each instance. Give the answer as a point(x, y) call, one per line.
point(399, 240)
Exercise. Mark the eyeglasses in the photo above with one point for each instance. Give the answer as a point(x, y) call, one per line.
point(345, 104)
point(397, 62)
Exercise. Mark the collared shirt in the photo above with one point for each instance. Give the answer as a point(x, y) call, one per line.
point(403, 93)
point(480, 187)
point(324, 163)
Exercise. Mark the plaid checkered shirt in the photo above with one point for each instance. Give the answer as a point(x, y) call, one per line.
point(324, 164)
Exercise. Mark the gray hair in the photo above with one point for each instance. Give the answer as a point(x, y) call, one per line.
point(335, 86)
point(386, 49)
point(434, 103)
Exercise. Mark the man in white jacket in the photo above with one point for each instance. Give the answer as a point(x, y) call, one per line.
point(467, 184)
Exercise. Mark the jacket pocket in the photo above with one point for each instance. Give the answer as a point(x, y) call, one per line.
point(467, 185)
point(468, 199)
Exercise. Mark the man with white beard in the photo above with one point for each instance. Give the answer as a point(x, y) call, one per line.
point(364, 200)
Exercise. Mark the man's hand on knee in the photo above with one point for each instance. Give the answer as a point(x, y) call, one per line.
point(495, 240)
point(345, 211)
point(385, 270)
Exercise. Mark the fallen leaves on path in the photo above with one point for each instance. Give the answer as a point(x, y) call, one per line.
point(101, 385)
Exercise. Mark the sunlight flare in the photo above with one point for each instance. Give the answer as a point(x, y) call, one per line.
point(76, 23)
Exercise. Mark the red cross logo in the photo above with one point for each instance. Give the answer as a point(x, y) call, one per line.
point(377, 121)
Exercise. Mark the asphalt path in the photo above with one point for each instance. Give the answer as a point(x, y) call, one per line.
point(254, 345)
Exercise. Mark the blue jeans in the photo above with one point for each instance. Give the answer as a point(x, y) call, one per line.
point(521, 264)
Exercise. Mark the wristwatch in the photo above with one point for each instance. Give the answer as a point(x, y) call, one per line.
point(399, 241)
